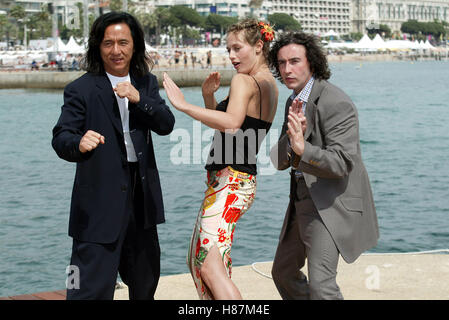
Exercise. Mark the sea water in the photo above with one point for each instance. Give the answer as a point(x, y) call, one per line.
point(403, 112)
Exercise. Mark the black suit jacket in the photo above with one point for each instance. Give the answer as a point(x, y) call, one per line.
point(100, 188)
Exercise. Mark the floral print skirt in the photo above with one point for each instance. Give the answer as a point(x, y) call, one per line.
point(230, 193)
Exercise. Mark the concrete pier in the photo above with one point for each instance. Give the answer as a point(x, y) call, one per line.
point(371, 277)
point(58, 80)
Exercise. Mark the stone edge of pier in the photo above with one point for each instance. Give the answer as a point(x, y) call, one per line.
point(371, 277)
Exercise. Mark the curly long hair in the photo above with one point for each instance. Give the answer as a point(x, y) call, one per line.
point(141, 63)
point(251, 31)
point(314, 53)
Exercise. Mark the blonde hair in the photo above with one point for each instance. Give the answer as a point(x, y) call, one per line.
point(251, 32)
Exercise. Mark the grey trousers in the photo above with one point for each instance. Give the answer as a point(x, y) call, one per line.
point(305, 236)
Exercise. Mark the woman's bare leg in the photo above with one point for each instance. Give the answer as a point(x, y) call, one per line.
point(214, 275)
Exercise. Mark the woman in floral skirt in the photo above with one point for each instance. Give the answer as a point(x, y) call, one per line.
point(241, 121)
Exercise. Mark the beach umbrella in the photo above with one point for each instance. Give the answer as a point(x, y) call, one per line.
point(331, 33)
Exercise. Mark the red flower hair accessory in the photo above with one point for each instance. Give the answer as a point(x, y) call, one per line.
point(267, 31)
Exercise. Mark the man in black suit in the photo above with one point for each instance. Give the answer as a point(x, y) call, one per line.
point(105, 127)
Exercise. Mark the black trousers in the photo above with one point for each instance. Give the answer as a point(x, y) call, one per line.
point(135, 255)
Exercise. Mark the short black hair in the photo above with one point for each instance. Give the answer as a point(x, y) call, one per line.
point(314, 53)
point(141, 62)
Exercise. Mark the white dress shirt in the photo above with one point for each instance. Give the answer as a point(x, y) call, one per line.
point(124, 114)
point(304, 97)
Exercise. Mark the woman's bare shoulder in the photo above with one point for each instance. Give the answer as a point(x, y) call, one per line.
point(241, 78)
point(267, 82)
point(243, 82)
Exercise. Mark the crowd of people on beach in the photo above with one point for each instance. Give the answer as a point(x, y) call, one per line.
point(188, 58)
point(60, 61)
point(178, 57)
point(165, 58)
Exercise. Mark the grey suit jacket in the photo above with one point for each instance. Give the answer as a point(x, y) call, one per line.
point(333, 170)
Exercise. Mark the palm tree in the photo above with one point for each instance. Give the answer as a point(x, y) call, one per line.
point(160, 18)
point(147, 22)
point(18, 13)
point(41, 21)
point(6, 28)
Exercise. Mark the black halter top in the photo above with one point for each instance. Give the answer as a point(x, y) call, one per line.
point(238, 150)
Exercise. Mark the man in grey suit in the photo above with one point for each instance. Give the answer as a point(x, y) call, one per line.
point(331, 209)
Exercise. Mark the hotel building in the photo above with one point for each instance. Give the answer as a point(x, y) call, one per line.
point(369, 13)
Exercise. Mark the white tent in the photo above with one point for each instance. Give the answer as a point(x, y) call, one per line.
point(408, 45)
point(400, 45)
point(378, 42)
point(365, 44)
point(421, 44)
point(427, 45)
point(60, 47)
point(150, 48)
point(336, 45)
point(74, 48)
point(417, 45)
point(84, 42)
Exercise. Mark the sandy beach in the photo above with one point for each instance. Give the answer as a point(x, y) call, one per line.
point(185, 76)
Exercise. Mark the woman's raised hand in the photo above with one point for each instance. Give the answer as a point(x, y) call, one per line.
point(211, 84)
point(174, 94)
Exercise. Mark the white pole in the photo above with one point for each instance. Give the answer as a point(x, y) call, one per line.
point(97, 9)
point(55, 30)
point(25, 36)
point(85, 20)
